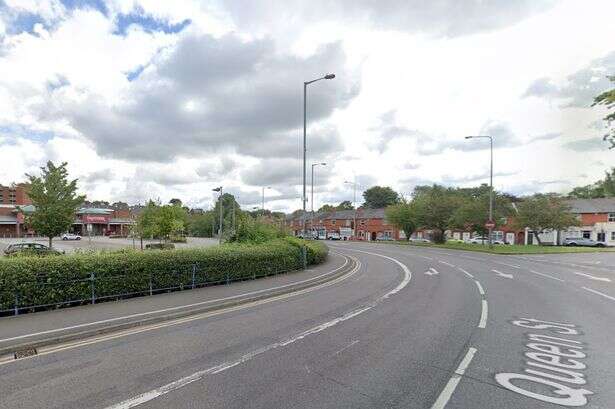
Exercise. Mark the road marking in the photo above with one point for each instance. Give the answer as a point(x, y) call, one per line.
point(450, 387)
point(425, 257)
point(599, 293)
point(546, 275)
point(163, 390)
point(508, 265)
point(131, 331)
point(432, 271)
point(448, 264)
point(480, 288)
point(502, 274)
point(465, 272)
point(88, 324)
point(356, 341)
point(591, 277)
point(483, 315)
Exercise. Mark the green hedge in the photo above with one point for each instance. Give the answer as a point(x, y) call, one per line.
point(60, 279)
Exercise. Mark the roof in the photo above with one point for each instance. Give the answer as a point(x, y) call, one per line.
point(94, 210)
point(121, 220)
point(8, 219)
point(344, 215)
point(600, 205)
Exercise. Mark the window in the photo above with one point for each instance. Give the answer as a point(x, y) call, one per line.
point(613, 235)
point(587, 234)
point(362, 222)
point(333, 222)
point(612, 217)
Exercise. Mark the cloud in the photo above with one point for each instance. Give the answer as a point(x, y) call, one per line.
point(545, 137)
point(587, 145)
point(281, 172)
point(164, 175)
point(579, 89)
point(448, 18)
point(208, 94)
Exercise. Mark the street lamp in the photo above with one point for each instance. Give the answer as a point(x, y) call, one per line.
point(354, 203)
point(219, 189)
point(305, 84)
point(263, 207)
point(490, 184)
point(312, 204)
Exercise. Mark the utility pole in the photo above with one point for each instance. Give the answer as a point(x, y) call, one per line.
point(490, 221)
point(354, 203)
point(312, 199)
point(304, 198)
point(219, 189)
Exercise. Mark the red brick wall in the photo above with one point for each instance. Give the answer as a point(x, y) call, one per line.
point(589, 219)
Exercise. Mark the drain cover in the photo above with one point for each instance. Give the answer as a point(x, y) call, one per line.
point(24, 353)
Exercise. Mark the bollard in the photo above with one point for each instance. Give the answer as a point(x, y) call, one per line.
point(92, 287)
point(16, 303)
point(193, 274)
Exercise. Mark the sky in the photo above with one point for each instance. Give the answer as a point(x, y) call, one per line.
point(157, 100)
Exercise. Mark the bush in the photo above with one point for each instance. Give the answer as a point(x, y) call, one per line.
point(255, 231)
point(160, 246)
point(56, 280)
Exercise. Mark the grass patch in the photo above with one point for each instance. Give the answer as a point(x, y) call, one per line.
point(507, 249)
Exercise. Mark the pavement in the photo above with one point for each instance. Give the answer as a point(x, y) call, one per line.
point(105, 243)
point(408, 328)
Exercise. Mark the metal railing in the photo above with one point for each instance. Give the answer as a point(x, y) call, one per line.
point(105, 288)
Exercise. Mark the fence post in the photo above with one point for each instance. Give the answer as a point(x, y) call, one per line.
point(193, 274)
point(151, 292)
point(16, 302)
point(93, 286)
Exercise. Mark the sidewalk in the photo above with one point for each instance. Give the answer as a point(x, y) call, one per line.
point(68, 323)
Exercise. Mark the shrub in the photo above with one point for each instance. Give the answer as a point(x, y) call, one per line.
point(160, 246)
point(256, 231)
point(56, 280)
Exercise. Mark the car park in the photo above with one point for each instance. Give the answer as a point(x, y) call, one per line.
point(582, 242)
point(70, 236)
point(418, 240)
point(30, 248)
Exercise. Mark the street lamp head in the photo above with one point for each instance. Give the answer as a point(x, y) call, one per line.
point(217, 189)
point(468, 137)
point(324, 164)
point(329, 76)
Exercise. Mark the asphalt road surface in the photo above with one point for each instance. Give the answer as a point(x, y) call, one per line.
point(410, 328)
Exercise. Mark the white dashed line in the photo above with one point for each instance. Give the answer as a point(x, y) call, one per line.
point(483, 315)
point(599, 293)
point(545, 275)
point(450, 387)
point(448, 264)
point(480, 288)
point(465, 272)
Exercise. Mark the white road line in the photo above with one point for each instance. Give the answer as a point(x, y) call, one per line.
point(591, 277)
point(465, 272)
point(480, 288)
point(599, 293)
point(163, 390)
point(346, 347)
point(448, 264)
point(450, 387)
point(546, 275)
point(88, 324)
point(508, 265)
point(502, 274)
point(483, 314)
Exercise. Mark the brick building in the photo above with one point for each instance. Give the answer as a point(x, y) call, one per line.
point(15, 205)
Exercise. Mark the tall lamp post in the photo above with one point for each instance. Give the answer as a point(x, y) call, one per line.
point(219, 189)
point(305, 84)
point(312, 199)
point(354, 203)
point(490, 225)
point(263, 204)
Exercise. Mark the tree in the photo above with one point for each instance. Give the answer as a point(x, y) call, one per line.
point(601, 188)
point(377, 197)
point(474, 212)
point(55, 200)
point(403, 217)
point(434, 207)
point(345, 205)
point(175, 202)
point(541, 213)
point(201, 225)
point(607, 99)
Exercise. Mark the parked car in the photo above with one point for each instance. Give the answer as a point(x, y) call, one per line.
point(71, 236)
point(582, 242)
point(454, 241)
point(484, 240)
point(30, 248)
point(334, 236)
point(418, 240)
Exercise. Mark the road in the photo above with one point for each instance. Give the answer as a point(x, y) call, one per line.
point(105, 243)
point(409, 328)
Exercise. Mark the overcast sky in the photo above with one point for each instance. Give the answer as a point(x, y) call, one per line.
point(166, 99)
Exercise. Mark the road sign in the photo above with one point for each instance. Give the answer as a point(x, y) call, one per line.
point(490, 224)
